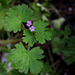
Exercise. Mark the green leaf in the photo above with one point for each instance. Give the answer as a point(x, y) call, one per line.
point(9, 1)
point(34, 6)
point(46, 68)
point(29, 38)
point(57, 45)
point(55, 33)
point(37, 12)
point(2, 70)
point(37, 16)
point(69, 51)
point(15, 72)
point(4, 3)
point(2, 17)
point(67, 31)
point(24, 60)
point(57, 23)
point(48, 35)
point(44, 18)
point(17, 15)
point(40, 32)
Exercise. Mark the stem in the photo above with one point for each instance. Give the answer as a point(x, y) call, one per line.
point(51, 58)
point(28, 48)
point(8, 33)
point(4, 42)
point(55, 63)
point(23, 26)
point(4, 49)
point(17, 35)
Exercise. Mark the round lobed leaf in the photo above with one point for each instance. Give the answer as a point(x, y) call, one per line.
point(40, 32)
point(24, 60)
point(17, 15)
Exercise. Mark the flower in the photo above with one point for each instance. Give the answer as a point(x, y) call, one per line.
point(32, 28)
point(9, 66)
point(29, 23)
point(4, 57)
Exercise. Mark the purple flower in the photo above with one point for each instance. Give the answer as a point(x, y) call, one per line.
point(32, 28)
point(9, 65)
point(29, 23)
point(4, 58)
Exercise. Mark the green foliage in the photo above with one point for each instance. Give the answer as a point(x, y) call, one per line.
point(16, 72)
point(37, 12)
point(39, 15)
point(17, 15)
point(55, 33)
point(40, 32)
point(59, 46)
point(20, 58)
point(29, 38)
point(28, 62)
point(38, 35)
point(2, 70)
point(3, 3)
point(53, 73)
point(9, 1)
point(2, 16)
point(24, 60)
point(66, 32)
point(69, 51)
point(46, 68)
point(57, 42)
point(58, 22)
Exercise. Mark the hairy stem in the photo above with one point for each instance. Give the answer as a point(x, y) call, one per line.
point(28, 48)
point(51, 58)
point(4, 42)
